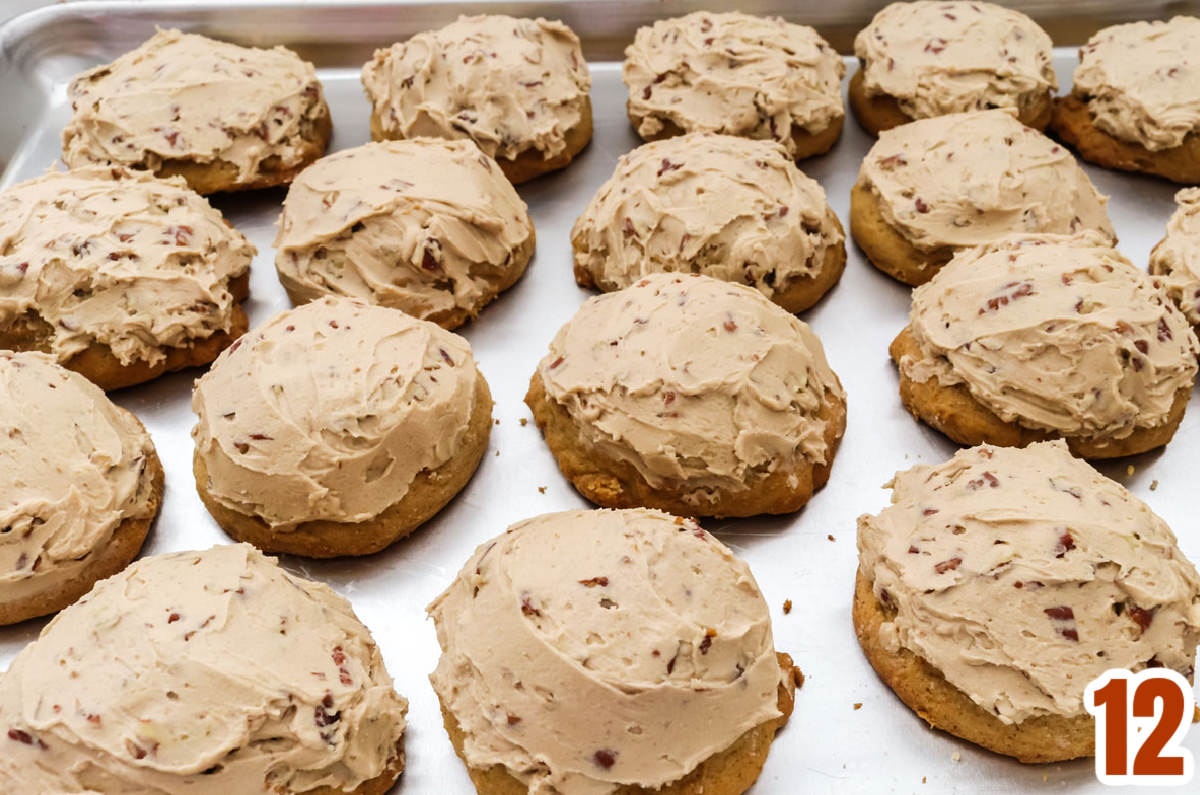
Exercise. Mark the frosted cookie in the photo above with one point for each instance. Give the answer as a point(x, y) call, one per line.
point(998, 584)
point(1176, 258)
point(1047, 336)
point(81, 484)
point(737, 74)
point(1136, 100)
point(517, 87)
point(427, 226)
point(337, 428)
point(221, 116)
point(931, 58)
point(208, 672)
point(931, 188)
point(120, 276)
point(609, 652)
point(726, 207)
point(690, 395)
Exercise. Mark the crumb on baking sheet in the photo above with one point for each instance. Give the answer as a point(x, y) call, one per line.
point(524, 422)
point(497, 452)
point(857, 706)
point(955, 757)
point(830, 537)
point(923, 780)
point(1129, 470)
point(541, 489)
point(1153, 485)
point(787, 606)
point(497, 420)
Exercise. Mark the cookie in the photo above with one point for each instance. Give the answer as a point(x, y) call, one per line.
point(731, 208)
point(223, 117)
point(119, 275)
point(1047, 336)
point(427, 226)
point(924, 59)
point(1135, 105)
point(82, 485)
point(933, 187)
point(338, 428)
point(998, 584)
point(1175, 259)
point(659, 675)
point(445, 83)
point(735, 74)
point(212, 671)
point(646, 394)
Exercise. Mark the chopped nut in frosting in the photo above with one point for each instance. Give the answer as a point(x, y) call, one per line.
point(427, 226)
point(965, 179)
point(1176, 258)
point(72, 465)
point(330, 410)
point(1056, 333)
point(726, 207)
point(590, 649)
point(186, 97)
point(209, 672)
point(692, 379)
point(733, 73)
point(119, 258)
point(511, 85)
point(1021, 574)
point(936, 57)
point(1141, 81)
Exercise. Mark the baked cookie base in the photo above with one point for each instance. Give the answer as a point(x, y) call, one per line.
point(804, 143)
point(1044, 738)
point(221, 176)
point(530, 163)
point(728, 772)
point(886, 247)
point(880, 112)
point(610, 483)
point(430, 491)
point(795, 295)
point(955, 412)
point(1072, 123)
point(118, 552)
point(380, 785)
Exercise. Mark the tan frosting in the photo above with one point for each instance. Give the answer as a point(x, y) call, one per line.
point(1142, 81)
point(208, 672)
point(186, 97)
point(692, 379)
point(1023, 574)
point(1176, 258)
point(1054, 332)
point(969, 178)
point(119, 258)
point(329, 411)
point(937, 57)
point(727, 207)
point(424, 225)
point(72, 466)
point(589, 649)
point(733, 73)
point(511, 85)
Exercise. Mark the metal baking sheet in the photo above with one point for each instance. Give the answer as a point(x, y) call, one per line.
point(809, 557)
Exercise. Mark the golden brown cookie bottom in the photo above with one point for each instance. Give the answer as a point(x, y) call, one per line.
point(98, 364)
point(449, 319)
point(1045, 738)
point(804, 143)
point(117, 553)
point(530, 163)
point(885, 247)
point(954, 411)
point(221, 176)
point(794, 295)
point(729, 772)
point(1073, 124)
point(880, 112)
point(617, 484)
point(380, 785)
point(430, 491)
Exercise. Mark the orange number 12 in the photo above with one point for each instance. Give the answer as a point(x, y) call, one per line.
point(1154, 721)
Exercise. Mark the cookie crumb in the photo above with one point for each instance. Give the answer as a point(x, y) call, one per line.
point(497, 421)
point(830, 537)
point(923, 781)
point(541, 489)
point(955, 757)
point(524, 422)
point(857, 706)
point(1129, 470)
point(787, 606)
point(497, 452)
point(1153, 485)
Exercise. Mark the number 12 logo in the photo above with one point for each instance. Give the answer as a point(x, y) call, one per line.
point(1146, 714)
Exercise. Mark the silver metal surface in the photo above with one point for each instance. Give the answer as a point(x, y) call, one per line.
point(808, 558)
